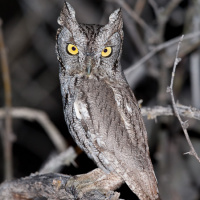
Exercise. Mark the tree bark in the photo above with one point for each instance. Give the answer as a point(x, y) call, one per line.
point(95, 185)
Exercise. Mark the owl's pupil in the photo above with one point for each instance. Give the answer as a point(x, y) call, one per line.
point(73, 48)
point(105, 50)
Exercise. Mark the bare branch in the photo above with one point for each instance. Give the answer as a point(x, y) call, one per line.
point(154, 6)
point(56, 162)
point(134, 15)
point(41, 117)
point(170, 7)
point(163, 17)
point(7, 136)
point(93, 185)
point(139, 6)
point(156, 111)
point(159, 48)
point(135, 36)
point(170, 90)
point(187, 47)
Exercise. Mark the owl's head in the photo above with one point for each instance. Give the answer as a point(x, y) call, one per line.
point(89, 50)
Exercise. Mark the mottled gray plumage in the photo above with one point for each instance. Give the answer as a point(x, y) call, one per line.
point(100, 109)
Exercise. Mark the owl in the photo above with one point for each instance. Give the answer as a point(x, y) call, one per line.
point(100, 108)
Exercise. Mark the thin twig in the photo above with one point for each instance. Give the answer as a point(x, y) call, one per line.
point(42, 118)
point(157, 49)
point(56, 162)
point(187, 47)
point(155, 7)
point(139, 6)
point(7, 137)
point(134, 15)
point(170, 7)
point(170, 90)
point(163, 17)
point(134, 35)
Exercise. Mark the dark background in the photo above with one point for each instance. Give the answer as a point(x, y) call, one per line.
point(29, 28)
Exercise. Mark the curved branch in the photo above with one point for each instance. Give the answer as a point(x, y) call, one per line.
point(157, 49)
point(42, 118)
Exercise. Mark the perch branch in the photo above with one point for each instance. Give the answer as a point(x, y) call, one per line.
point(170, 90)
point(7, 137)
point(93, 185)
point(41, 117)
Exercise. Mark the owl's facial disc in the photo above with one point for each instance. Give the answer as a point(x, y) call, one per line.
point(88, 50)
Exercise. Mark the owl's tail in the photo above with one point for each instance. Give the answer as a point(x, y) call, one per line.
point(143, 184)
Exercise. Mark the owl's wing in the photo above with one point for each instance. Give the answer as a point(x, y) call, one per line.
point(140, 175)
point(116, 135)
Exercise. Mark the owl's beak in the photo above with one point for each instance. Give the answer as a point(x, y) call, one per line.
point(89, 69)
point(89, 62)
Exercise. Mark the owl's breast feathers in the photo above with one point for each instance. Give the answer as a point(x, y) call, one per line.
point(105, 121)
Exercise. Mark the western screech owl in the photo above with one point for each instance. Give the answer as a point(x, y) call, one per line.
point(100, 109)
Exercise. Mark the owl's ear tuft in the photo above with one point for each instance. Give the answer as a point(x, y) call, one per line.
point(116, 19)
point(67, 15)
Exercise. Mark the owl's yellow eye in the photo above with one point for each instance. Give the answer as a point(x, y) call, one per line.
point(106, 52)
point(72, 49)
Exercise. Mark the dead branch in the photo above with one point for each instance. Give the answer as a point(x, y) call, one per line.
point(7, 136)
point(187, 48)
point(135, 36)
point(42, 118)
point(134, 15)
point(159, 48)
point(156, 111)
point(139, 6)
point(170, 90)
point(150, 112)
point(163, 16)
point(91, 186)
point(155, 7)
point(170, 7)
